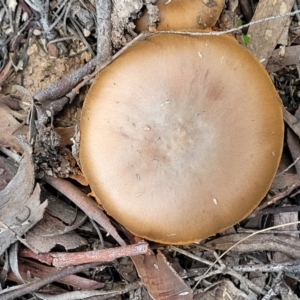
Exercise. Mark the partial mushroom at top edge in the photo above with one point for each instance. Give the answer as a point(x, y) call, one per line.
point(183, 15)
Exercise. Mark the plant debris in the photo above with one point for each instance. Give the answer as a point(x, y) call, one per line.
point(20, 207)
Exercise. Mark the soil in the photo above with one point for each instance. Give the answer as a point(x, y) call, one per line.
point(42, 70)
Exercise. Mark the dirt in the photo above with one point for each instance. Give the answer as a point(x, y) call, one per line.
point(42, 70)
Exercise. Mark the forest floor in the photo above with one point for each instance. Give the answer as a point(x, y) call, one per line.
point(55, 241)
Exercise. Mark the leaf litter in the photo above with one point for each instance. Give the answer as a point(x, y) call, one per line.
point(20, 206)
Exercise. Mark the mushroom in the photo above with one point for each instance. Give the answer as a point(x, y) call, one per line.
point(180, 145)
point(183, 14)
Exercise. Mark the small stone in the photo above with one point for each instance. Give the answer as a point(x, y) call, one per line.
point(53, 50)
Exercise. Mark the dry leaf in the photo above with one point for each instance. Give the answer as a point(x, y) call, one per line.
point(66, 134)
point(277, 62)
point(284, 180)
point(47, 234)
point(38, 270)
point(264, 36)
point(8, 124)
point(160, 279)
point(20, 206)
point(7, 171)
point(57, 226)
point(70, 215)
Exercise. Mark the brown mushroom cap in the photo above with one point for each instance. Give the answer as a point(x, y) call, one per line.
point(181, 136)
point(184, 14)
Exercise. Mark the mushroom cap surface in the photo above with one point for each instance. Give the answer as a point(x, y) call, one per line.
point(184, 14)
point(181, 136)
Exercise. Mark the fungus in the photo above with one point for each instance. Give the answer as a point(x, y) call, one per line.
point(180, 145)
point(184, 14)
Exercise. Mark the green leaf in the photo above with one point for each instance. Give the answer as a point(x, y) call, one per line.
point(247, 39)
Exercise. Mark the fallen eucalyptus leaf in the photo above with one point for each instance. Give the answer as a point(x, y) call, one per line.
point(160, 279)
point(20, 206)
point(8, 126)
point(7, 171)
point(48, 233)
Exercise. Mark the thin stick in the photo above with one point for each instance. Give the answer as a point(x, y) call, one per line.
point(96, 294)
point(104, 46)
point(28, 288)
point(239, 242)
point(65, 259)
point(231, 30)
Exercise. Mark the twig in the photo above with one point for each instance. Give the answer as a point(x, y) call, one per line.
point(275, 210)
point(285, 232)
point(78, 31)
point(222, 269)
point(64, 86)
point(271, 293)
point(100, 295)
point(104, 46)
point(57, 17)
point(65, 259)
point(39, 270)
point(239, 242)
point(290, 245)
point(289, 267)
point(27, 288)
point(231, 30)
